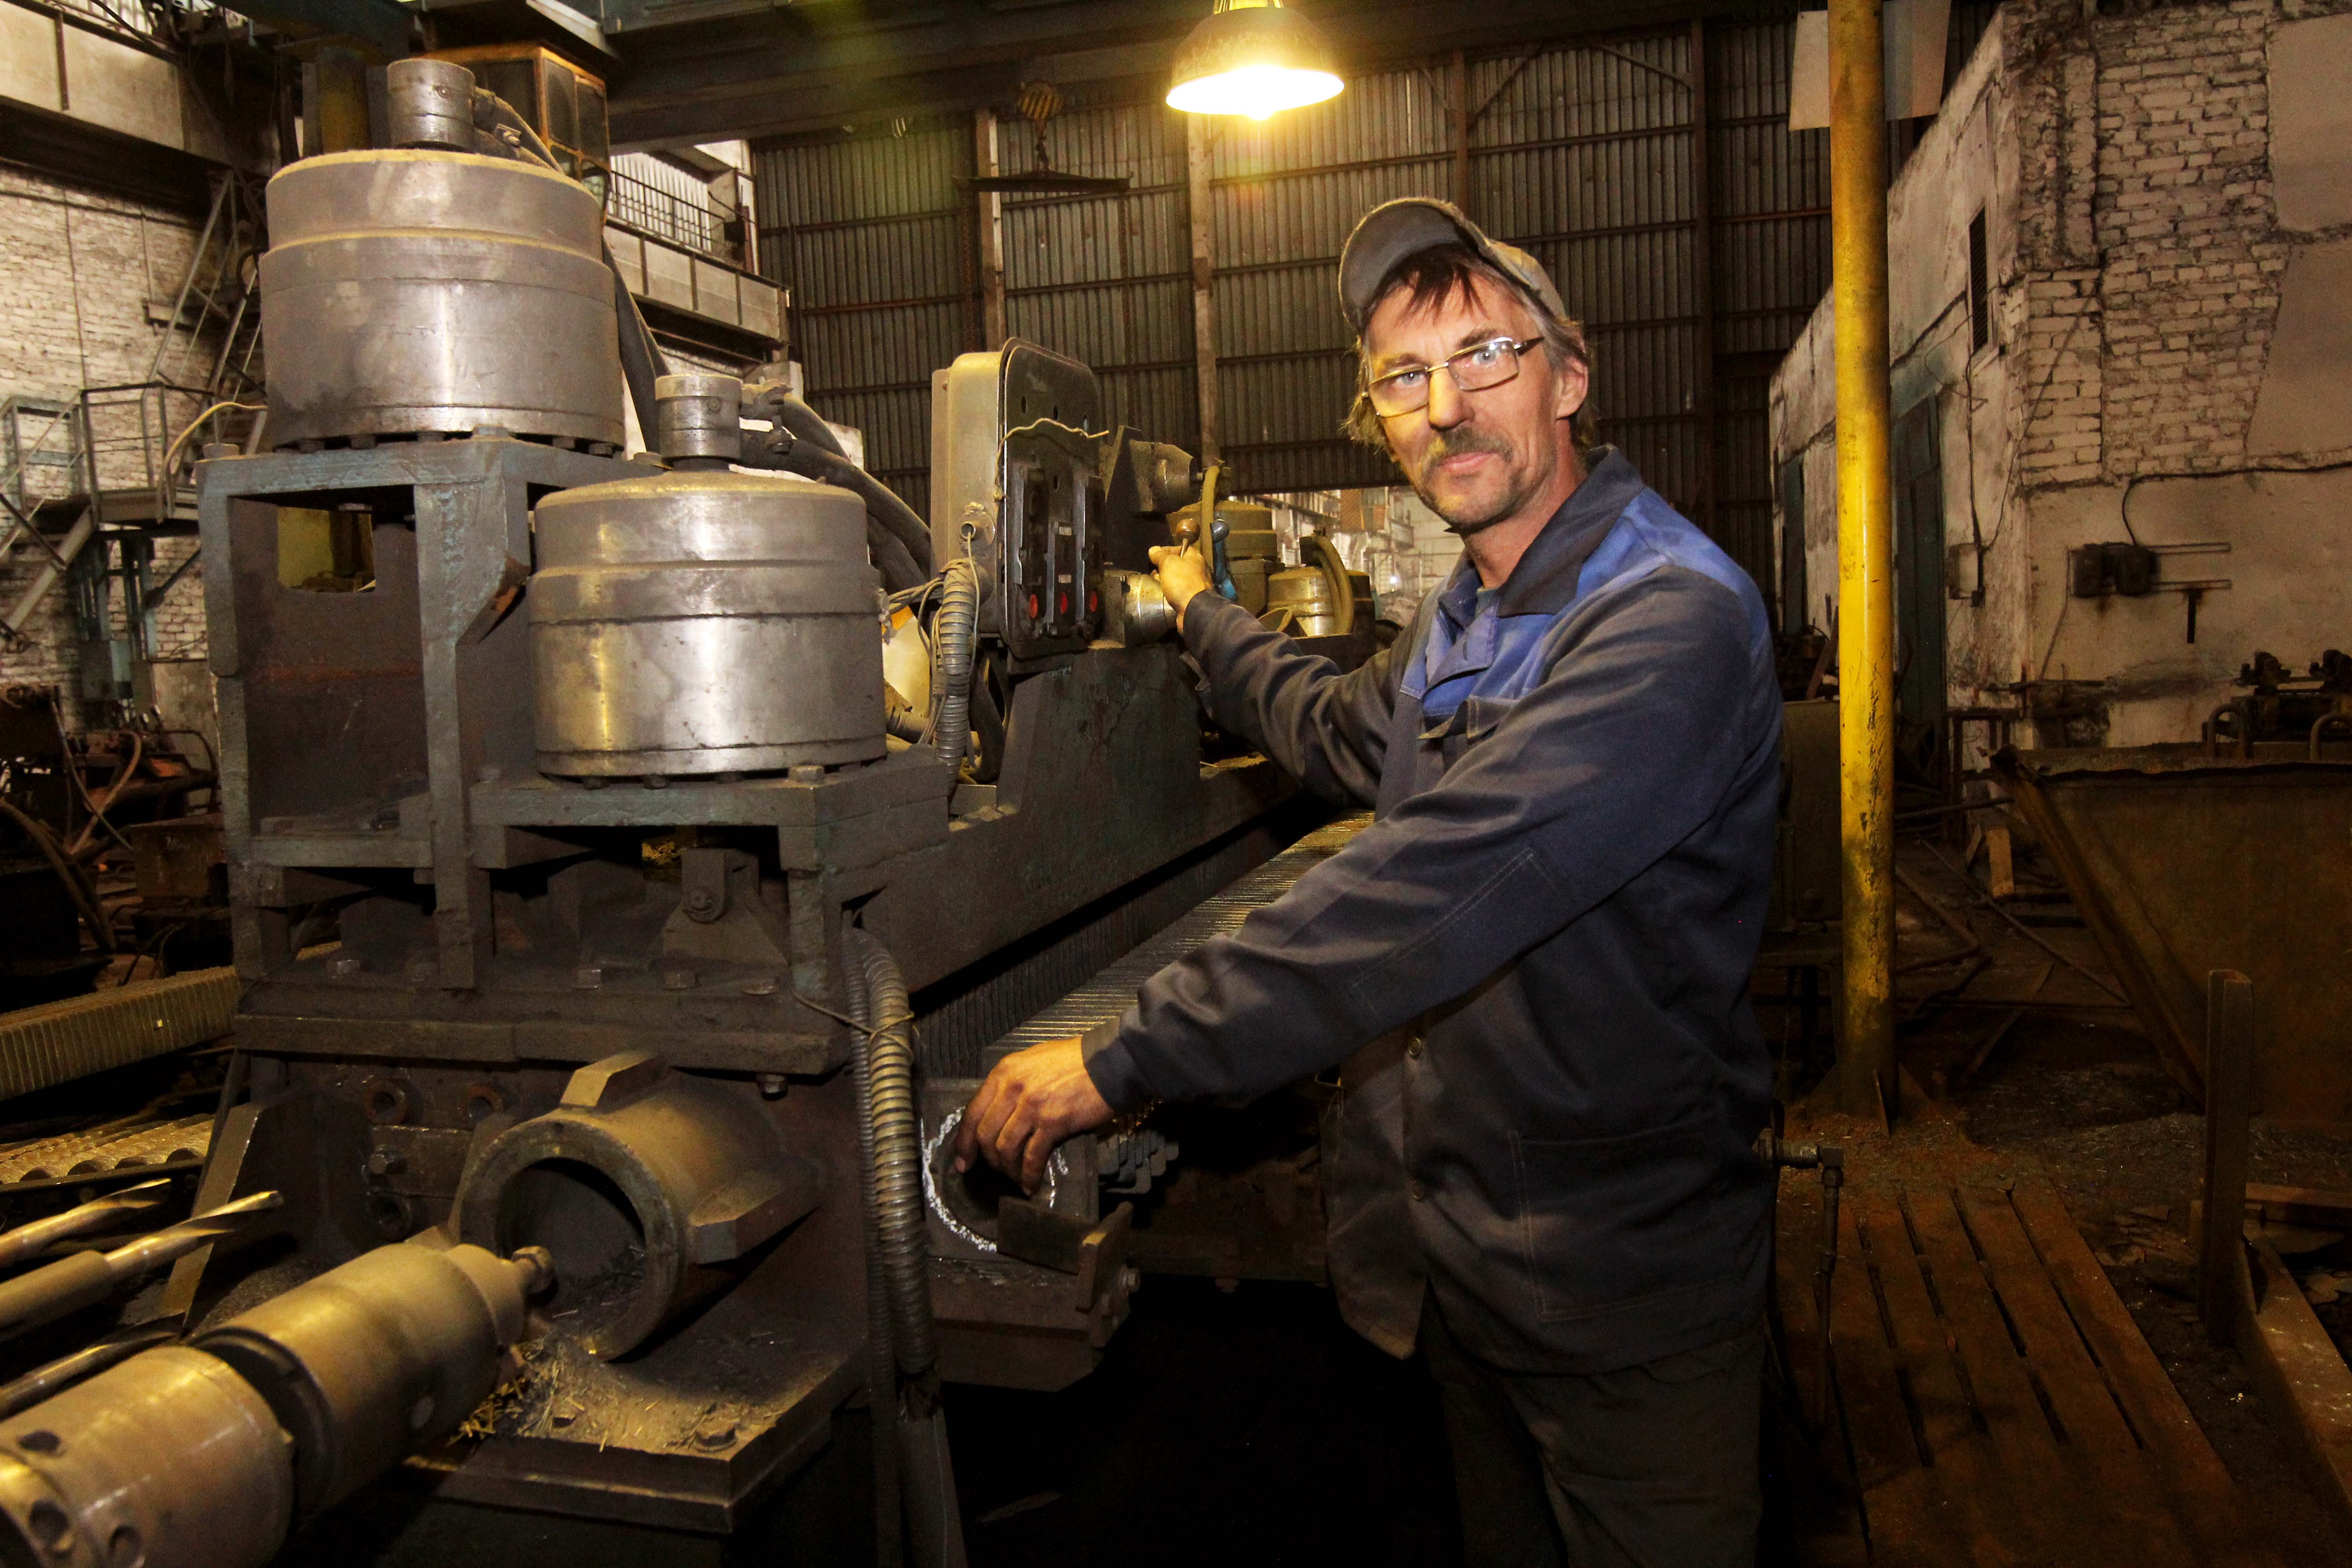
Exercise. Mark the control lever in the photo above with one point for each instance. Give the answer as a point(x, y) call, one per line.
point(1093, 1250)
point(1829, 1160)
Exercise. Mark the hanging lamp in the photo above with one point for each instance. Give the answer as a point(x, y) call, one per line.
point(1255, 58)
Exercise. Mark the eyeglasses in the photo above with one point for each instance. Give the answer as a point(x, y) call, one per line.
point(1474, 369)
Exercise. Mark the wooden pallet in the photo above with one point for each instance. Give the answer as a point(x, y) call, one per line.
point(2002, 1405)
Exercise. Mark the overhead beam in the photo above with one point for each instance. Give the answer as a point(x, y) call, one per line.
point(789, 73)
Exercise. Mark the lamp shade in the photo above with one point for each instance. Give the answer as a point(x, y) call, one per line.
point(1253, 57)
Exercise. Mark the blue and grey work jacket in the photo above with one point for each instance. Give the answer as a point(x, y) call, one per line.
point(1534, 964)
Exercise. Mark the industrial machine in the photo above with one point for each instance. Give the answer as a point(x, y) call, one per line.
point(614, 934)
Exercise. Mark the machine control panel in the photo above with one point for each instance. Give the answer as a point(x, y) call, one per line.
point(1016, 484)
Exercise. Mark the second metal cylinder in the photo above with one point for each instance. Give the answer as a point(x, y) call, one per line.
point(430, 103)
point(698, 622)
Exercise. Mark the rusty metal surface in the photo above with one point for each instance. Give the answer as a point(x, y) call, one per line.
point(2184, 864)
point(61, 1041)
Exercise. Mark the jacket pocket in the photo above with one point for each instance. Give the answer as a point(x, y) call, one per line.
point(1606, 1224)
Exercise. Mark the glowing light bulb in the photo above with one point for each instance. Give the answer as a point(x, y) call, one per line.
point(1253, 60)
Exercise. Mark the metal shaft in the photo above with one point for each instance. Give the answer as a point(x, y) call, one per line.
point(47, 1294)
point(44, 1381)
point(1865, 553)
point(31, 1240)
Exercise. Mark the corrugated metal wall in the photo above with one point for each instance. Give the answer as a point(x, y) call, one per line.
point(874, 241)
point(1584, 153)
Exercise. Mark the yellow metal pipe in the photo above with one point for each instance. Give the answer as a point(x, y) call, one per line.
point(1865, 627)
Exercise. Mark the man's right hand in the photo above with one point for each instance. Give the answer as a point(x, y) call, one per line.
point(1182, 571)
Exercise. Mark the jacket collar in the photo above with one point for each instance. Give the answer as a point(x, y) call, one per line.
point(1544, 582)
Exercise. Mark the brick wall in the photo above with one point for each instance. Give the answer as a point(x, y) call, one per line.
point(2184, 218)
point(78, 267)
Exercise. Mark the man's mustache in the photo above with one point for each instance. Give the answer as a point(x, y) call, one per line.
point(1454, 445)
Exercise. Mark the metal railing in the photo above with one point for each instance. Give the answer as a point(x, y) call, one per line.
point(666, 216)
point(149, 21)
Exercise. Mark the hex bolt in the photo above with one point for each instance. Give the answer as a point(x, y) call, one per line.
point(386, 1163)
point(716, 1433)
point(772, 1085)
point(807, 772)
point(587, 977)
point(700, 901)
point(343, 965)
point(761, 987)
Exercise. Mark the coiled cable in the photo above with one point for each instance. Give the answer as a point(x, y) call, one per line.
point(881, 1364)
point(897, 1134)
point(952, 634)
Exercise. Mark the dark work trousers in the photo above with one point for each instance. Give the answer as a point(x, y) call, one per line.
point(1653, 1466)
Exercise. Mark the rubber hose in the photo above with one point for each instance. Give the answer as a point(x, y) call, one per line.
point(902, 567)
point(882, 502)
point(952, 631)
point(881, 1364)
point(804, 423)
point(85, 901)
point(890, 558)
point(493, 113)
point(642, 361)
point(1334, 567)
point(900, 722)
point(898, 1156)
point(989, 725)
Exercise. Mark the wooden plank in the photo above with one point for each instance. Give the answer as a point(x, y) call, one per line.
point(2207, 1499)
point(1884, 1445)
point(2300, 1205)
point(2086, 1407)
point(2046, 1483)
point(1997, 1376)
point(1967, 1485)
point(1911, 1513)
point(2092, 1424)
point(2302, 1376)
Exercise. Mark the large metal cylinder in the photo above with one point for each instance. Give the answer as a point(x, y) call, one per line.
point(371, 1361)
point(418, 290)
point(169, 1460)
point(700, 623)
point(647, 1186)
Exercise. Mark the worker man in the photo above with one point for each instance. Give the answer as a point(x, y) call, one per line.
point(1533, 965)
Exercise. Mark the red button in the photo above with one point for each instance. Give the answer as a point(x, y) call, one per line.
point(1033, 606)
point(1093, 600)
point(1062, 603)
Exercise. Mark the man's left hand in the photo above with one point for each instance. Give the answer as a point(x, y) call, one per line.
point(1031, 1101)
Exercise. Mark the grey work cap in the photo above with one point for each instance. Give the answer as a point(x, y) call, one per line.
point(1395, 230)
